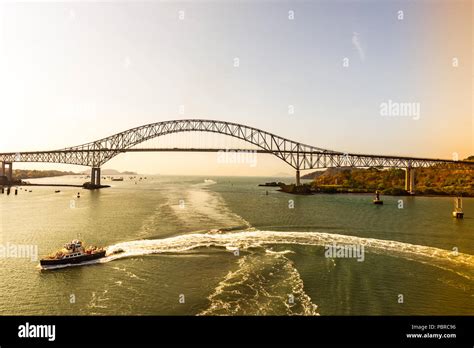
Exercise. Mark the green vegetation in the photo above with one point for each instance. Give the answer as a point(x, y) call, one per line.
point(19, 174)
point(429, 181)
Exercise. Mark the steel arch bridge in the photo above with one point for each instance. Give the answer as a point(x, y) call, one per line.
point(297, 155)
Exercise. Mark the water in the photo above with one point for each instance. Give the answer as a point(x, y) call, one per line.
point(225, 247)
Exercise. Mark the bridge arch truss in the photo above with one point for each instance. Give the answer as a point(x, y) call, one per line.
point(298, 155)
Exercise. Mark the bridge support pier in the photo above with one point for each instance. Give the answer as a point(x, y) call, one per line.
point(95, 176)
point(298, 179)
point(9, 173)
point(410, 180)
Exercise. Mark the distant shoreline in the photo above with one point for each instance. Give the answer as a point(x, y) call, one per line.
point(54, 185)
point(314, 193)
point(309, 189)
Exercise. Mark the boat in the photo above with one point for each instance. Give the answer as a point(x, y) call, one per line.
point(458, 212)
point(117, 179)
point(73, 253)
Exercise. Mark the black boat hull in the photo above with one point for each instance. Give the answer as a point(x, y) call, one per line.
point(72, 260)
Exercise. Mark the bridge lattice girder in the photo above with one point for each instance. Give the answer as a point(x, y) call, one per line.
point(298, 155)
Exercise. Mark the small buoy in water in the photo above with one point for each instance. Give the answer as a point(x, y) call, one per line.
point(458, 213)
point(377, 199)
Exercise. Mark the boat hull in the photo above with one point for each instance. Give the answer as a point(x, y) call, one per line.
point(72, 260)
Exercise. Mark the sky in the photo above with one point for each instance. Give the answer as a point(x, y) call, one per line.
point(317, 72)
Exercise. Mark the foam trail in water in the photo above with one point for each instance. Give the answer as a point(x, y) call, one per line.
point(261, 285)
point(460, 263)
point(192, 208)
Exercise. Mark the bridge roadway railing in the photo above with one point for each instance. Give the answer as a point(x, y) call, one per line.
point(307, 159)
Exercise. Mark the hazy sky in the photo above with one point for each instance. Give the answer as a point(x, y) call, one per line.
point(73, 72)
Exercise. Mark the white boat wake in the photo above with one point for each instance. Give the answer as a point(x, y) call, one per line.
point(459, 263)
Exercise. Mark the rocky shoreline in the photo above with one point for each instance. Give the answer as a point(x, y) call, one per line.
point(308, 189)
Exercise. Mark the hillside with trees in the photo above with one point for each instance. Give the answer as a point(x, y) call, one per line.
point(429, 181)
point(19, 174)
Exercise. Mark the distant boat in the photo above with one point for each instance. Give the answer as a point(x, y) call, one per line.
point(117, 179)
point(57, 191)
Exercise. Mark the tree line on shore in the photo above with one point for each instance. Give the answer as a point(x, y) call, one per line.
point(19, 174)
point(430, 181)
